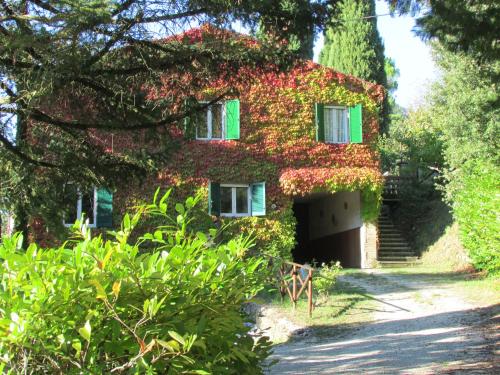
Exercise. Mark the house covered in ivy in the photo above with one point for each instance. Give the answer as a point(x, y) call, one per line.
point(288, 156)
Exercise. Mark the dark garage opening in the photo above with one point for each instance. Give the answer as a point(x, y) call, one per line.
point(328, 229)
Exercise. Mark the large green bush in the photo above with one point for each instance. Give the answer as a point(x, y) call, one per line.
point(465, 110)
point(99, 305)
point(476, 207)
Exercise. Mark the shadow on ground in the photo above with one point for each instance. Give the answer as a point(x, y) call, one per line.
point(413, 280)
point(444, 342)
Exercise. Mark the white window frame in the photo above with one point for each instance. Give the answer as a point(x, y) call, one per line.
point(233, 200)
point(209, 123)
point(79, 210)
point(347, 122)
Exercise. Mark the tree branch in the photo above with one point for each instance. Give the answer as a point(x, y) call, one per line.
point(8, 90)
point(127, 4)
point(118, 35)
point(171, 17)
point(19, 64)
point(20, 23)
point(38, 115)
point(23, 156)
point(46, 6)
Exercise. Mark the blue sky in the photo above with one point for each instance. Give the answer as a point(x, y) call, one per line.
point(412, 56)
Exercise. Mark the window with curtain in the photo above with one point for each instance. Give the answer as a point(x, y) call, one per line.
point(336, 125)
point(210, 123)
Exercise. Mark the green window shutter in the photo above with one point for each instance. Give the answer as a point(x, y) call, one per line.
point(356, 124)
point(189, 125)
point(104, 208)
point(214, 198)
point(258, 191)
point(319, 113)
point(233, 119)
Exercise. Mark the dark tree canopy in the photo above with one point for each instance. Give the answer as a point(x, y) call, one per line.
point(107, 51)
point(49, 47)
point(470, 26)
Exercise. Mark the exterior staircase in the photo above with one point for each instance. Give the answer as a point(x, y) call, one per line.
point(394, 250)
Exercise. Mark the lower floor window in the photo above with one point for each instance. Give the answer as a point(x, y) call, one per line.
point(237, 200)
point(234, 200)
point(79, 203)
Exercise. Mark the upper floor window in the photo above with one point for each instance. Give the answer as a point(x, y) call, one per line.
point(335, 124)
point(210, 123)
point(218, 121)
point(95, 205)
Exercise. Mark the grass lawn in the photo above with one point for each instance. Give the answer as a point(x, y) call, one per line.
point(344, 308)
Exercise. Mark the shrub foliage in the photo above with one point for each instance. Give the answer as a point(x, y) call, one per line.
point(456, 133)
point(168, 303)
point(327, 278)
point(476, 207)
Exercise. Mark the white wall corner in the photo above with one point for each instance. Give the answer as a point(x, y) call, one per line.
point(362, 242)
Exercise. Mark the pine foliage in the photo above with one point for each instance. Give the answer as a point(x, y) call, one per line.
point(353, 44)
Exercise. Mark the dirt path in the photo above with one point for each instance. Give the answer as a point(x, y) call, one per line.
point(421, 326)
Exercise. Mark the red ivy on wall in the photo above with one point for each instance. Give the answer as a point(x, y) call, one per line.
point(277, 132)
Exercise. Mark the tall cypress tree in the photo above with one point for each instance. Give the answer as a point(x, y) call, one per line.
point(352, 42)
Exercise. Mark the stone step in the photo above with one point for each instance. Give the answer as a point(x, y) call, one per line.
point(383, 254)
point(394, 250)
point(390, 232)
point(393, 241)
point(384, 221)
point(386, 245)
point(403, 254)
point(397, 259)
point(398, 253)
point(396, 264)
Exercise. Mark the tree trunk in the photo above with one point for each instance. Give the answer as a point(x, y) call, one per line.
point(21, 224)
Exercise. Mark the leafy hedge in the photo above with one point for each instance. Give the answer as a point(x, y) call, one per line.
point(476, 208)
point(100, 306)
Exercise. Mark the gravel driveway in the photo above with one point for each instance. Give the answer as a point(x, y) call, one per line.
point(421, 326)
